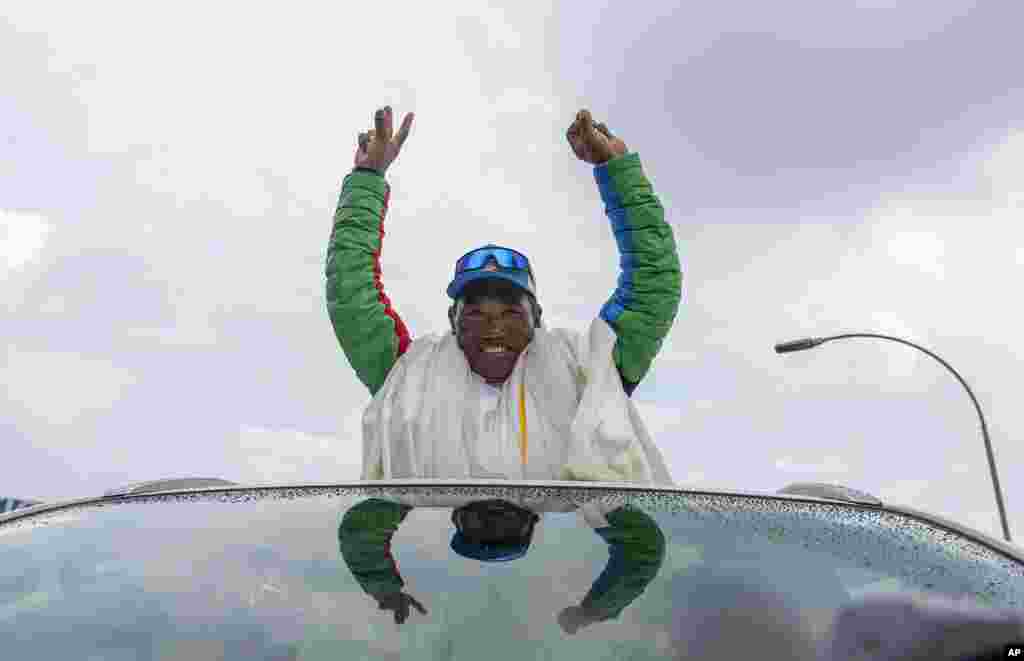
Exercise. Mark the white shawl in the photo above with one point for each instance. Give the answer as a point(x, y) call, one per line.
point(425, 422)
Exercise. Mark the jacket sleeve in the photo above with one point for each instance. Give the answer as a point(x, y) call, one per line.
point(636, 551)
point(364, 538)
point(645, 302)
point(371, 333)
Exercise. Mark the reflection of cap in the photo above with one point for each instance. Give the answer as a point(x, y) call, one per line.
point(488, 552)
point(497, 519)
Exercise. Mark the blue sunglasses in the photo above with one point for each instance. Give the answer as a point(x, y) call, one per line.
point(506, 258)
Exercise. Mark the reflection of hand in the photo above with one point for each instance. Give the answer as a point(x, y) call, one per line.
point(574, 618)
point(399, 603)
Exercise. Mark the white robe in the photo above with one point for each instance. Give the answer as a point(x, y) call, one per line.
point(430, 421)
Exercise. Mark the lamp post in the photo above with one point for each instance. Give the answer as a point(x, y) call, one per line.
point(811, 342)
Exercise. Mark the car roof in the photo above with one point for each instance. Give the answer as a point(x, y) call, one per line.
point(286, 557)
point(800, 491)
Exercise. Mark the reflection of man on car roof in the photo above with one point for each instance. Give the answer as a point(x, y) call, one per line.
point(636, 554)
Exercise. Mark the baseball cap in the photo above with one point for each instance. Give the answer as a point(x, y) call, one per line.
point(492, 261)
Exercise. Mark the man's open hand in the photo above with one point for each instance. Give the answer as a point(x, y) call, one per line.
point(379, 146)
point(591, 142)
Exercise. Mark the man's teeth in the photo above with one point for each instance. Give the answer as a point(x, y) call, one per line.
point(495, 349)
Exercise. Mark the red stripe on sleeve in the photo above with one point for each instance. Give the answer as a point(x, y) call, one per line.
point(400, 329)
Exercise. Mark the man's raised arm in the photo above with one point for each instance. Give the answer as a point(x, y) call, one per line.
point(645, 302)
point(371, 333)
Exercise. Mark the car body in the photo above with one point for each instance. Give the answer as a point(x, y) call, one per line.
point(221, 570)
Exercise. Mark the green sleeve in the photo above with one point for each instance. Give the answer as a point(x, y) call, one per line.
point(645, 302)
point(636, 553)
point(370, 332)
point(364, 538)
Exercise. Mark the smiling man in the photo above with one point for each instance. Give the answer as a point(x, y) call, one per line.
point(502, 396)
point(495, 312)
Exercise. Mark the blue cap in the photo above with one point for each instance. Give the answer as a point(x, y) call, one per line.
point(520, 279)
point(492, 262)
point(488, 552)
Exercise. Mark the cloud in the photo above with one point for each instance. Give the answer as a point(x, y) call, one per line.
point(825, 466)
point(194, 334)
point(60, 387)
point(692, 479)
point(904, 492)
point(918, 269)
point(290, 455)
point(228, 197)
point(943, 236)
point(1002, 171)
point(917, 248)
point(23, 236)
point(261, 189)
point(931, 265)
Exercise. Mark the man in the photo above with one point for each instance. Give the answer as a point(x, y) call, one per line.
point(502, 396)
point(500, 365)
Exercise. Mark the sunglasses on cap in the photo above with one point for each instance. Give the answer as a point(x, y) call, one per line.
point(492, 261)
point(506, 258)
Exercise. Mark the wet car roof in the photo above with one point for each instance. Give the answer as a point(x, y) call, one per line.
point(298, 567)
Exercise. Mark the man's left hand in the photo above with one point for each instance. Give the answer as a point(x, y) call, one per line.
point(593, 143)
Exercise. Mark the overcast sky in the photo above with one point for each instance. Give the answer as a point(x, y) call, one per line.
point(168, 174)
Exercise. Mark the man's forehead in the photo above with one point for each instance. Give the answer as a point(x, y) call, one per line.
point(497, 299)
point(495, 290)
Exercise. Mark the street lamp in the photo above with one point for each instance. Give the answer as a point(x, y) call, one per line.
point(811, 342)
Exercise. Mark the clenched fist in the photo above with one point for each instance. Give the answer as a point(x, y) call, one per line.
point(378, 147)
point(593, 143)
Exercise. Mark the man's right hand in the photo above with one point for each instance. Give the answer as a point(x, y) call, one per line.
point(593, 143)
point(399, 603)
point(378, 147)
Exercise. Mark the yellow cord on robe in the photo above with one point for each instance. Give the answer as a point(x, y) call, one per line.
point(522, 422)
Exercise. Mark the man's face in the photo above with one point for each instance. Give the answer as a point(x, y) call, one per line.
point(493, 329)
